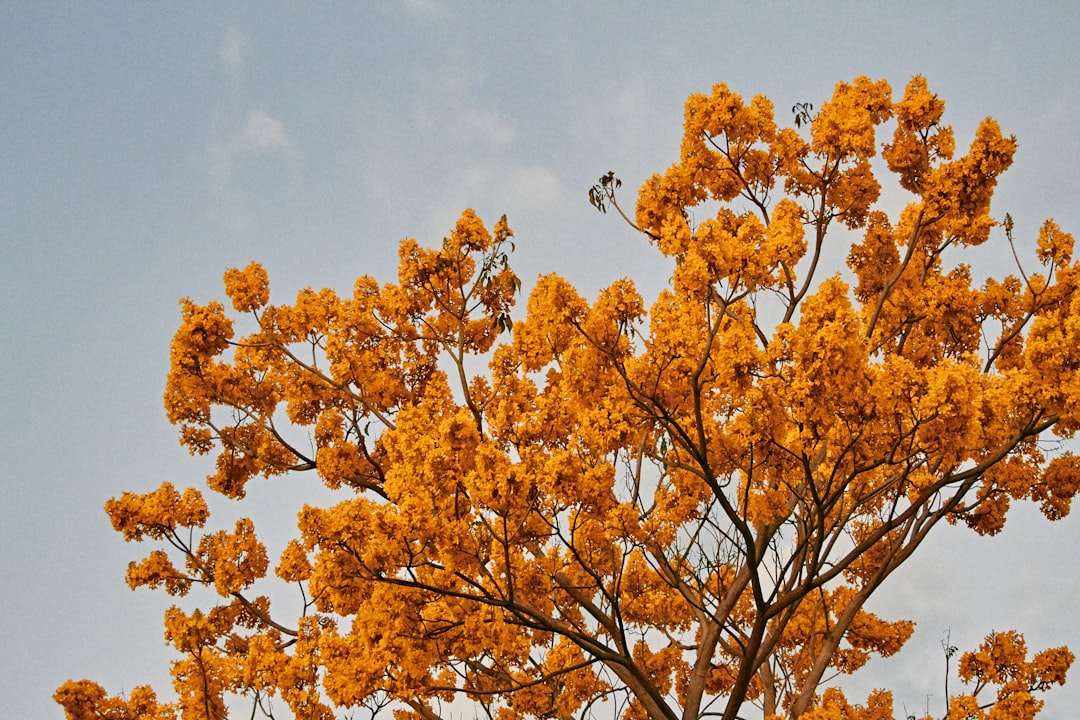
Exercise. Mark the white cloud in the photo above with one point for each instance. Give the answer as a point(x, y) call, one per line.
point(259, 134)
point(262, 132)
point(234, 51)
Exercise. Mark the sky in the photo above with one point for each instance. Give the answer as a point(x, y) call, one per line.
point(147, 147)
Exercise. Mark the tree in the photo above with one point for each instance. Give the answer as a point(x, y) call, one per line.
point(668, 512)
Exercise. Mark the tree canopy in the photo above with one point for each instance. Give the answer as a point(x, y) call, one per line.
point(667, 511)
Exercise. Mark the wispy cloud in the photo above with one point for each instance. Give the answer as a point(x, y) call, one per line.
point(258, 134)
point(261, 133)
point(238, 134)
point(234, 51)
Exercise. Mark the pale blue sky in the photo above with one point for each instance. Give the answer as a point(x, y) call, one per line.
point(146, 147)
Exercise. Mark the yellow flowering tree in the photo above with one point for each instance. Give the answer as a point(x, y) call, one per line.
point(659, 511)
